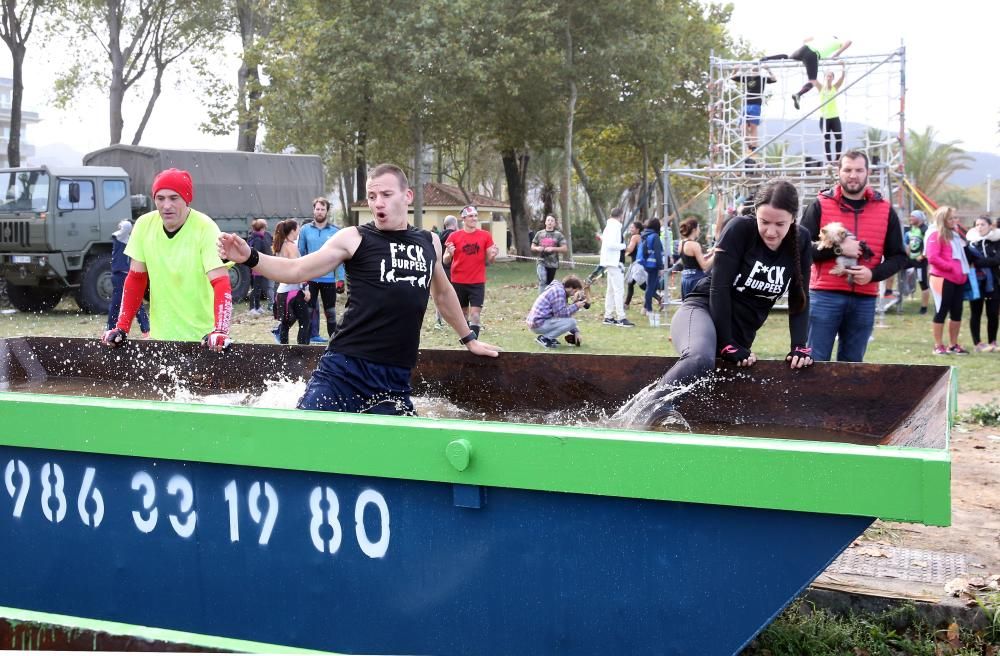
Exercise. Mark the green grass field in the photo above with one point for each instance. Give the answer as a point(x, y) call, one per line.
point(512, 287)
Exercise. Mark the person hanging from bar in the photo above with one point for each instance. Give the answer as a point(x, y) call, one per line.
point(754, 80)
point(757, 260)
point(829, 116)
point(809, 54)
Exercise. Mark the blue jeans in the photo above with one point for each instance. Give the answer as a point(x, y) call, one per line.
point(689, 278)
point(847, 317)
point(652, 285)
point(345, 384)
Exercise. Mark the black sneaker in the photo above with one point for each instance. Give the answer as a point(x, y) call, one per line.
point(546, 342)
point(624, 323)
point(795, 100)
point(923, 310)
point(608, 321)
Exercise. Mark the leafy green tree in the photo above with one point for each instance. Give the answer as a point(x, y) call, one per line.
point(929, 164)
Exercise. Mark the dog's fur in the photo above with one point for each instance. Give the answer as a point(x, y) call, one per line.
point(831, 236)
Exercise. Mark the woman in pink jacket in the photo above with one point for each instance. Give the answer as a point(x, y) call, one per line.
point(949, 270)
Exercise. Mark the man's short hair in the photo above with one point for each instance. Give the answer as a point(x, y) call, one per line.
point(384, 169)
point(616, 213)
point(572, 282)
point(324, 201)
point(450, 221)
point(854, 154)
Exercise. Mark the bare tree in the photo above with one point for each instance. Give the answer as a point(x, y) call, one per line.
point(15, 28)
point(254, 20)
point(136, 36)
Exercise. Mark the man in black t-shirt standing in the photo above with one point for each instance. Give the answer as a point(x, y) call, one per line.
point(754, 81)
point(392, 269)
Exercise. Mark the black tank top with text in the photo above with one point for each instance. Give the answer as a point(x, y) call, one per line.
point(389, 278)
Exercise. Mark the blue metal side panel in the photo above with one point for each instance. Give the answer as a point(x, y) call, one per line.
point(527, 572)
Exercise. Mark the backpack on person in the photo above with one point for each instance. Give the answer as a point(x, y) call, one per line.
point(647, 252)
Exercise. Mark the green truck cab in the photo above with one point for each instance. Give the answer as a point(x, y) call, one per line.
point(56, 221)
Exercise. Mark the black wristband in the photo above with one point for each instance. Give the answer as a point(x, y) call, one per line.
point(471, 337)
point(254, 258)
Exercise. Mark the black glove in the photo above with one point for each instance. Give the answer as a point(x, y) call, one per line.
point(733, 352)
point(114, 337)
point(799, 351)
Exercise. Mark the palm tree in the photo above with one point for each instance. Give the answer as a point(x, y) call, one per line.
point(930, 164)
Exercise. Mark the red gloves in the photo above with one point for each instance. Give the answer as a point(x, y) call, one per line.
point(218, 339)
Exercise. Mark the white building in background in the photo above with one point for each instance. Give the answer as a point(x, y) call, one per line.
point(27, 118)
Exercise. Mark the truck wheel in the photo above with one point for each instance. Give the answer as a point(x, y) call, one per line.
point(33, 299)
point(96, 285)
point(239, 280)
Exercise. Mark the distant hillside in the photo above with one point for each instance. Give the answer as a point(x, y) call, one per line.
point(854, 135)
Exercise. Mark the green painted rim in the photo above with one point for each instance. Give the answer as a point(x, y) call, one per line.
point(893, 483)
point(144, 632)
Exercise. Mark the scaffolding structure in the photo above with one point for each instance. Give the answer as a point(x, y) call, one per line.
point(789, 141)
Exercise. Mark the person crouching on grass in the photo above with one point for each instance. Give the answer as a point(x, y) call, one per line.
point(552, 313)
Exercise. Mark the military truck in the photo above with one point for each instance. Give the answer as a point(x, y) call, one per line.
point(56, 221)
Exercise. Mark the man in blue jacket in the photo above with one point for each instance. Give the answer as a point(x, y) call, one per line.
point(311, 238)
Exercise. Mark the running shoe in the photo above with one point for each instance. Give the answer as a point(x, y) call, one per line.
point(608, 321)
point(317, 339)
point(982, 347)
point(546, 342)
point(957, 350)
point(941, 350)
point(624, 323)
point(795, 100)
point(994, 348)
point(276, 334)
point(923, 310)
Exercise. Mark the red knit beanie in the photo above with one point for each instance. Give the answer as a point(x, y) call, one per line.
point(175, 180)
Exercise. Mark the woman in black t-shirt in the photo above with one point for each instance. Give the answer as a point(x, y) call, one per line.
point(757, 260)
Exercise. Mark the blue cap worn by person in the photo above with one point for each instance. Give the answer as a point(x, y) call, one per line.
point(919, 215)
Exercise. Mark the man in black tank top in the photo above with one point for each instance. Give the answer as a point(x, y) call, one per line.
point(392, 269)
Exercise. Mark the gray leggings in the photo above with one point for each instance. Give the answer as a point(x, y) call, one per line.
point(693, 333)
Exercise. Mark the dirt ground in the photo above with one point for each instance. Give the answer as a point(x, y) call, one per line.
point(942, 558)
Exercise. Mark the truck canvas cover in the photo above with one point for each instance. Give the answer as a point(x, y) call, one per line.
point(227, 184)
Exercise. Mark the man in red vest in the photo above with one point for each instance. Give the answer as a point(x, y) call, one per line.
point(843, 306)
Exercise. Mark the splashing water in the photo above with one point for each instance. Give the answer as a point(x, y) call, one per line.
point(282, 393)
point(653, 405)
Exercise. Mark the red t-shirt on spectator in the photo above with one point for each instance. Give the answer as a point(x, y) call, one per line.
point(468, 264)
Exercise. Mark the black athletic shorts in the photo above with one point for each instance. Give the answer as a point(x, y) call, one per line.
point(470, 295)
point(809, 58)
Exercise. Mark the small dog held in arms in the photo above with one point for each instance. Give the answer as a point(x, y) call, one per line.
point(831, 236)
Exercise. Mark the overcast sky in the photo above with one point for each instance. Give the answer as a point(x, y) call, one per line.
point(950, 71)
point(951, 53)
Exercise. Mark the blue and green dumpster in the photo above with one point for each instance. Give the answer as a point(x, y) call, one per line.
point(203, 526)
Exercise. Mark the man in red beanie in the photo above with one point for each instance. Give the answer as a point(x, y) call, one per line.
point(174, 251)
